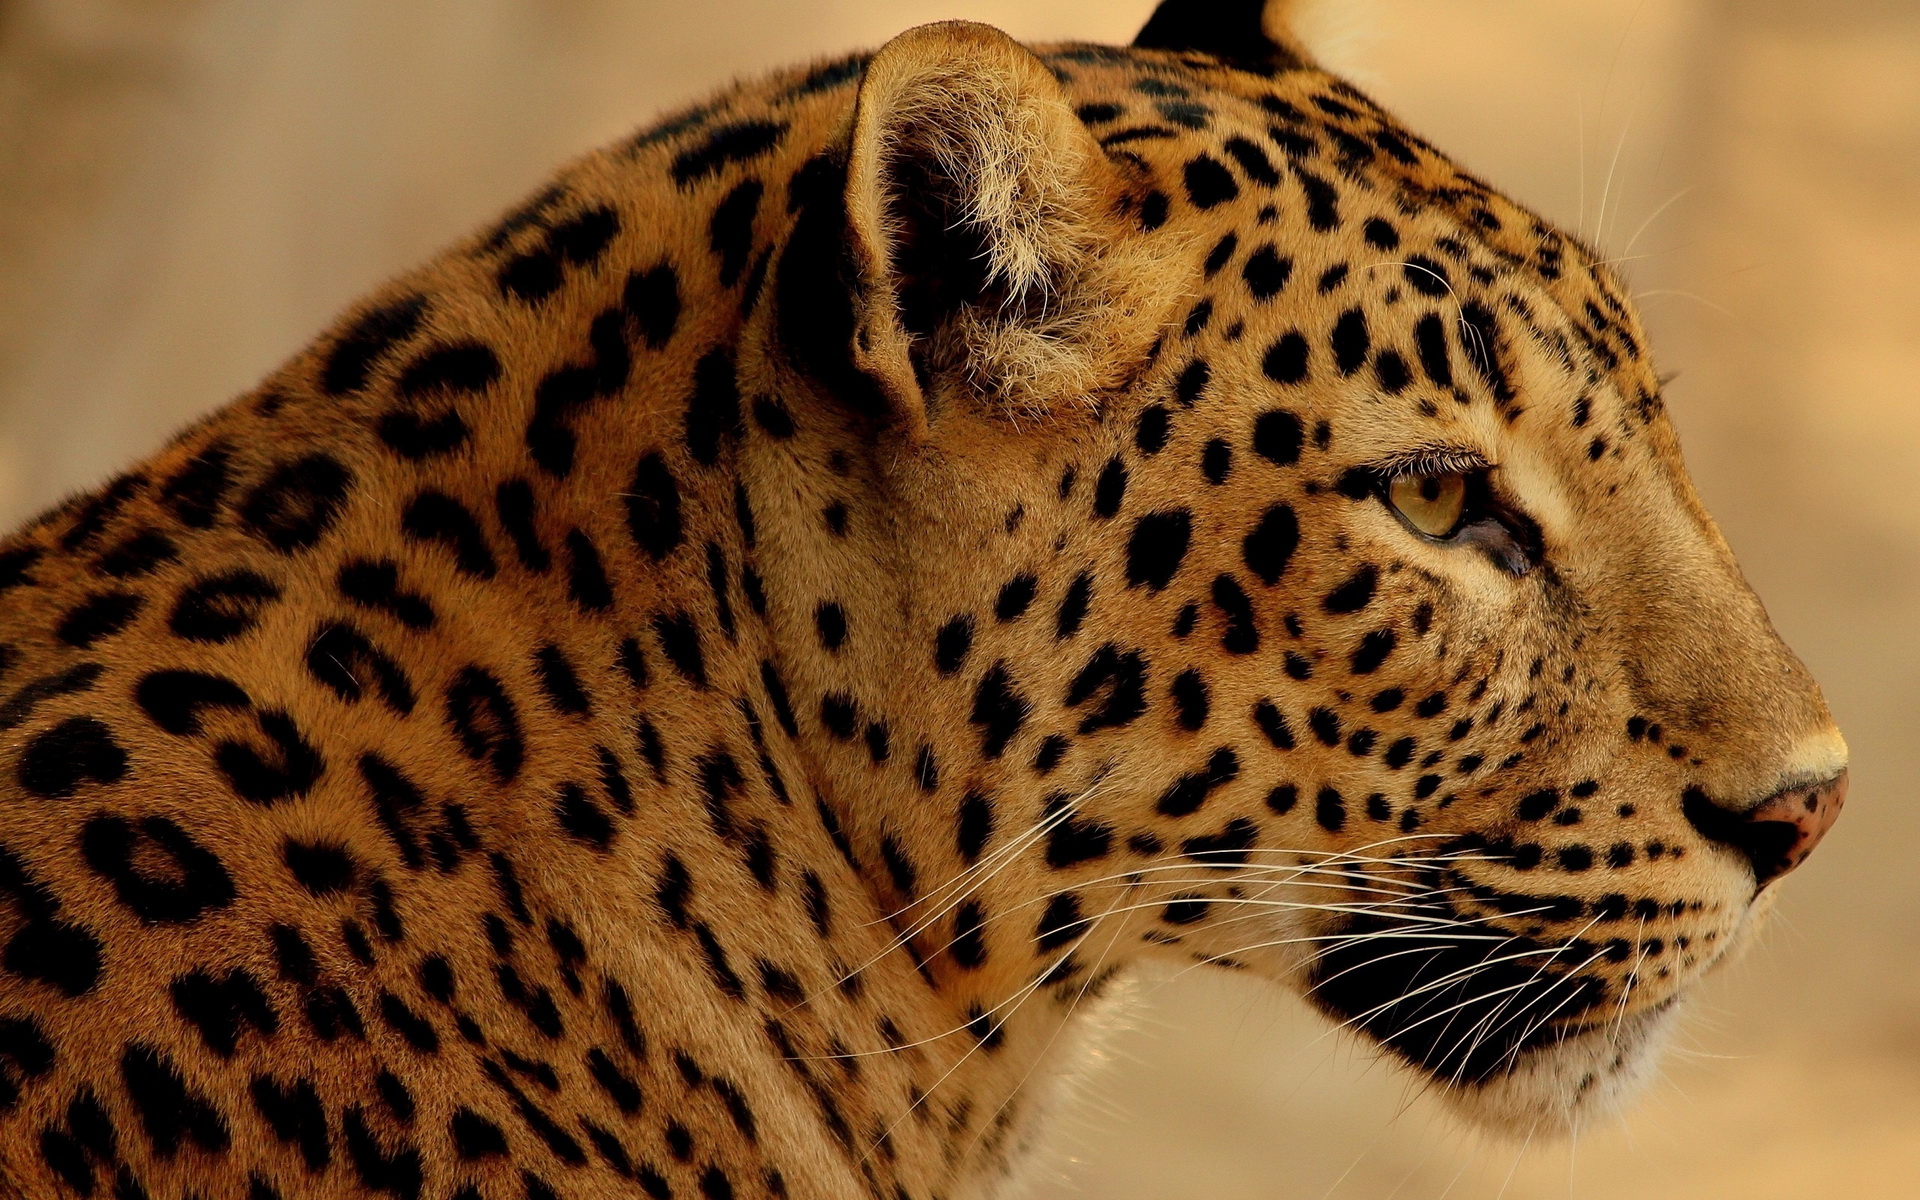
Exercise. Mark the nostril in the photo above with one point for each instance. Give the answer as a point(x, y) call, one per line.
point(1775, 835)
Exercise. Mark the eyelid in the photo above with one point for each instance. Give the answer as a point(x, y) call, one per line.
point(1433, 460)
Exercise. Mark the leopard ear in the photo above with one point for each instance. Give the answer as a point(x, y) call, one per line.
point(994, 259)
point(1253, 35)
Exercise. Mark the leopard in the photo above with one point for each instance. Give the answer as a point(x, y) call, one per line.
point(706, 688)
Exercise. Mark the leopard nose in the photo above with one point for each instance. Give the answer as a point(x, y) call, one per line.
point(1777, 834)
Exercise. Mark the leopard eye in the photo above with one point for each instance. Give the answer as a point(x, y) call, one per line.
point(1432, 504)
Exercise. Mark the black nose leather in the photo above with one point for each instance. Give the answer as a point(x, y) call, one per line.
point(1775, 835)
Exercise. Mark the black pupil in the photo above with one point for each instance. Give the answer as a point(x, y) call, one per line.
point(1429, 489)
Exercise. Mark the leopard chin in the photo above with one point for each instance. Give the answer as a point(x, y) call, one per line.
point(1586, 1077)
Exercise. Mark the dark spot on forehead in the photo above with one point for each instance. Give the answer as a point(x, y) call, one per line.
point(1286, 359)
point(1209, 183)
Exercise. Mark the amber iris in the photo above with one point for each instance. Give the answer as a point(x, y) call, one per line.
point(1432, 504)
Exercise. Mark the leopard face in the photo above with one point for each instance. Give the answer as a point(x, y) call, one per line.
point(694, 689)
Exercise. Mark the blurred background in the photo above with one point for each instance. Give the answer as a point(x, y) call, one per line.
point(190, 188)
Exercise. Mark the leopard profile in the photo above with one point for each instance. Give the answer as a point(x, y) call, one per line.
point(693, 691)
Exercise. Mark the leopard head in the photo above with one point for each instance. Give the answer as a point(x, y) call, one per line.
point(1259, 543)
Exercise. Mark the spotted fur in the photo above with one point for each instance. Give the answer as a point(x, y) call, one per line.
point(687, 694)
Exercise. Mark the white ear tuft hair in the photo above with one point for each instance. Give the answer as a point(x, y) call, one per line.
point(989, 230)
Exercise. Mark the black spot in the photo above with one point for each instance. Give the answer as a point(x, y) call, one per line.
point(322, 868)
point(1151, 430)
point(1269, 546)
point(191, 882)
point(1192, 383)
point(170, 1112)
point(1273, 725)
point(370, 338)
point(830, 623)
point(376, 585)
point(680, 642)
point(1482, 347)
point(1187, 793)
point(468, 368)
point(140, 553)
point(1242, 634)
point(998, 709)
point(561, 683)
point(1122, 676)
point(1209, 183)
point(900, 868)
point(840, 715)
point(1185, 910)
point(1016, 596)
point(951, 644)
point(1392, 372)
point(1282, 799)
point(1430, 336)
point(222, 1007)
point(1216, 461)
point(1061, 923)
point(194, 493)
point(1330, 810)
point(652, 299)
point(1373, 651)
point(741, 141)
point(975, 825)
point(969, 946)
point(1190, 702)
point(485, 722)
point(1253, 161)
point(342, 658)
point(295, 506)
point(288, 768)
point(1074, 606)
point(653, 507)
point(565, 390)
point(1266, 273)
point(730, 231)
point(294, 1115)
point(397, 1173)
point(475, 1137)
point(713, 408)
point(77, 751)
point(1153, 210)
point(1111, 489)
point(1286, 359)
point(20, 707)
point(1157, 547)
point(1277, 437)
point(219, 608)
point(1355, 594)
point(1381, 234)
point(173, 699)
point(1323, 202)
point(1350, 342)
point(41, 946)
point(439, 519)
point(98, 616)
point(581, 818)
point(1426, 276)
point(723, 973)
point(587, 583)
point(1228, 848)
point(515, 505)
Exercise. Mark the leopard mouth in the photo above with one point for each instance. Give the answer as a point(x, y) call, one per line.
point(1465, 1003)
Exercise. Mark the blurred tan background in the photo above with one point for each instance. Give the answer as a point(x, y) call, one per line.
point(189, 188)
